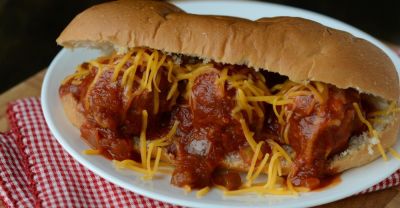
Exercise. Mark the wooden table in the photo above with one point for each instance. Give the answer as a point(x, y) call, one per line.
point(389, 198)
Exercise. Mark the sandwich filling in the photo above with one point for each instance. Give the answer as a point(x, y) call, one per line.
point(202, 117)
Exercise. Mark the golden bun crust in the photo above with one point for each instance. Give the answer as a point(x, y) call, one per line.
point(358, 154)
point(298, 48)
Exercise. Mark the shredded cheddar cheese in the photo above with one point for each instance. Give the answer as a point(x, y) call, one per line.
point(316, 94)
point(286, 133)
point(173, 90)
point(156, 99)
point(278, 148)
point(167, 139)
point(120, 65)
point(150, 63)
point(96, 78)
point(258, 171)
point(148, 160)
point(394, 153)
point(148, 169)
point(194, 72)
point(269, 99)
point(273, 171)
point(243, 103)
point(91, 152)
point(261, 190)
point(391, 109)
point(248, 134)
point(173, 130)
point(371, 130)
point(290, 187)
point(187, 189)
point(131, 165)
point(79, 74)
point(202, 192)
point(253, 161)
point(142, 139)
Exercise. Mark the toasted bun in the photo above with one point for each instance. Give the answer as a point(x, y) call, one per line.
point(356, 155)
point(298, 48)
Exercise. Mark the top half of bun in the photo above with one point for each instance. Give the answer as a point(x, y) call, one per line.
point(298, 48)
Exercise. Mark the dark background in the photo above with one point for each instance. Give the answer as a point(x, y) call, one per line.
point(28, 28)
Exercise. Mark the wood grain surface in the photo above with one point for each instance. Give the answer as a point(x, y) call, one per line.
point(389, 198)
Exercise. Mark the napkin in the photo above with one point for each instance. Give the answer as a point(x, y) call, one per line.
point(35, 171)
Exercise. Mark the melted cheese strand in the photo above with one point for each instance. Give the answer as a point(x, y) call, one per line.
point(323, 89)
point(187, 189)
point(145, 75)
point(280, 149)
point(96, 78)
point(223, 76)
point(131, 71)
point(258, 189)
point(394, 153)
point(370, 129)
point(255, 90)
point(298, 93)
point(259, 169)
point(253, 161)
point(152, 72)
point(161, 62)
point(157, 142)
point(91, 152)
point(202, 192)
point(119, 66)
point(79, 73)
point(172, 132)
point(248, 134)
point(192, 75)
point(286, 133)
point(142, 139)
point(269, 99)
point(390, 109)
point(157, 161)
point(129, 164)
point(290, 187)
point(280, 119)
point(170, 68)
point(172, 90)
point(316, 94)
point(272, 170)
point(243, 104)
point(156, 99)
point(166, 139)
point(148, 162)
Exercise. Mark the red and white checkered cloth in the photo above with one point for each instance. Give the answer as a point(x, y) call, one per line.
point(35, 171)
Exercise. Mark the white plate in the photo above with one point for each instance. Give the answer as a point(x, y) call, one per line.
point(64, 63)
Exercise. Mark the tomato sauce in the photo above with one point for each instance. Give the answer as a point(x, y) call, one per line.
point(318, 131)
point(111, 126)
point(208, 132)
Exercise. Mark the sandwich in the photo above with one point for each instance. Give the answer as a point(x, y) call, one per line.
point(214, 96)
